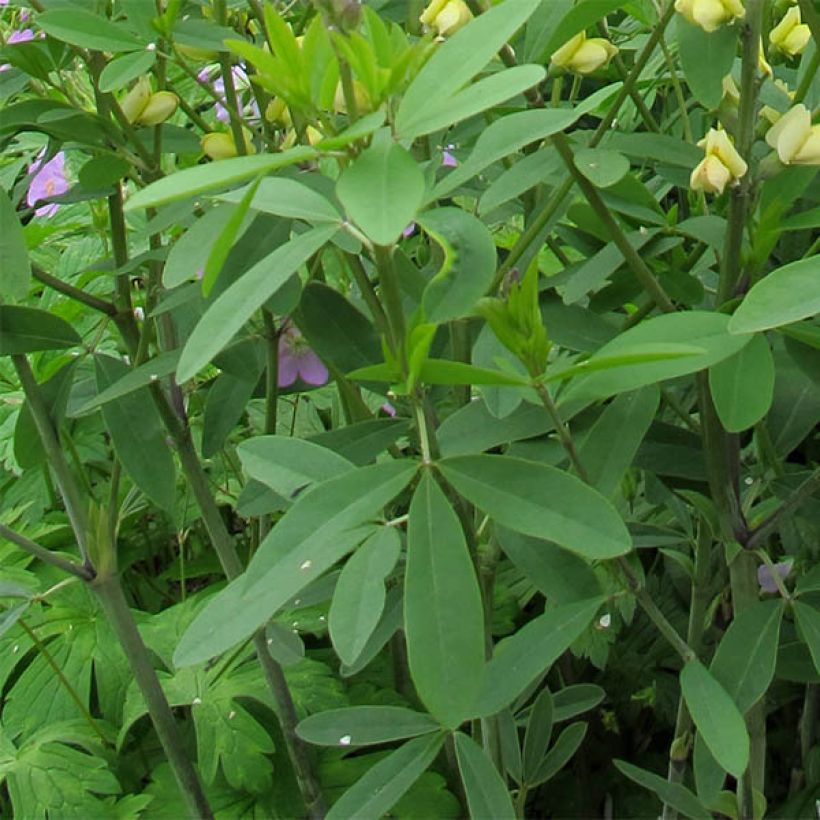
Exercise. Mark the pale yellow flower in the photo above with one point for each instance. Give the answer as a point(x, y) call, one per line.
point(278, 112)
point(791, 35)
point(134, 102)
point(710, 14)
point(360, 95)
point(795, 139)
point(762, 62)
point(582, 55)
point(160, 106)
point(446, 17)
point(731, 93)
point(721, 165)
point(220, 145)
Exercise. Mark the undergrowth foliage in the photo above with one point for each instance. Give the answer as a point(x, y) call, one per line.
point(409, 410)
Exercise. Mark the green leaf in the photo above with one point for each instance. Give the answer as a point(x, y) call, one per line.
point(580, 17)
point(377, 791)
point(717, 718)
point(287, 197)
point(15, 269)
point(673, 794)
point(359, 596)
point(360, 129)
point(364, 726)
point(706, 58)
point(693, 328)
point(189, 254)
point(443, 613)
point(468, 266)
point(520, 659)
point(808, 620)
point(537, 735)
point(382, 190)
point(363, 441)
point(576, 699)
point(444, 371)
point(561, 752)
point(742, 386)
point(243, 298)
point(601, 166)
point(487, 794)
point(102, 172)
point(542, 501)
point(540, 28)
point(745, 659)
point(785, 295)
point(612, 442)
point(289, 465)
point(79, 27)
point(138, 435)
point(212, 175)
point(28, 330)
point(320, 528)
point(486, 93)
point(119, 72)
point(135, 378)
point(459, 59)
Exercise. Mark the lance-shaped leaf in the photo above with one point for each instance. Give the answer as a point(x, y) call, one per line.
point(15, 270)
point(673, 794)
point(28, 330)
point(288, 197)
point(365, 726)
point(487, 794)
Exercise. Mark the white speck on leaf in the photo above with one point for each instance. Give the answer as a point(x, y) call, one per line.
point(306, 564)
point(345, 740)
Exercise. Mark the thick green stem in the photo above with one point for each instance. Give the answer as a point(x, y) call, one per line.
point(111, 597)
point(45, 555)
point(77, 294)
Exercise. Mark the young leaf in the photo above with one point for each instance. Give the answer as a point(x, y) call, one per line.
point(717, 718)
point(742, 386)
point(487, 794)
point(364, 726)
point(785, 295)
point(468, 266)
point(561, 752)
point(379, 789)
point(243, 298)
point(443, 614)
point(28, 330)
point(382, 190)
point(518, 660)
point(746, 656)
point(359, 597)
point(673, 794)
point(221, 174)
point(15, 269)
point(542, 501)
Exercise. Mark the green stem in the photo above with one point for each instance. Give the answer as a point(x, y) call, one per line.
point(750, 30)
point(77, 294)
point(636, 264)
point(45, 555)
point(111, 597)
point(389, 282)
point(561, 429)
point(72, 498)
point(521, 803)
point(231, 99)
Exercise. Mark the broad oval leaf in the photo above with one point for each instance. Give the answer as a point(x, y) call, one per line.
point(742, 386)
point(119, 72)
point(487, 795)
point(28, 330)
point(287, 197)
point(706, 58)
point(601, 166)
point(213, 175)
point(518, 660)
point(79, 27)
point(359, 597)
point(467, 269)
point(717, 718)
point(786, 295)
point(382, 190)
point(243, 298)
point(694, 328)
point(364, 726)
point(289, 465)
point(542, 501)
point(378, 790)
point(443, 613)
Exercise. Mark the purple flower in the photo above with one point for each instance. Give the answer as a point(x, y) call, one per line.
point(297, 360)
point(766, 579)
point(240, 82)
point(389, 409)
point(448, 160)
point(48, 181)
point(409, 230)
point(22, 36)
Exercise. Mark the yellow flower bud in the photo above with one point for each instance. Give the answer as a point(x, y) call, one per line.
point(160, 106)
point(709, 14)
point(771, 115)
point(361, 96)
point(795, 139)
point(446, 16)
point(790, 35)
point(220, 145)
point(582, 55)
point(762, 62)
point(314, 135)
point(731, 93)
point(278, 112)
point(134, 102)
point(722, 163)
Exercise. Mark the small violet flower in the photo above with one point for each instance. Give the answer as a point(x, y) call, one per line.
point(22, 36)
point(297, 360)
point(409, 230)
point(389, 409)
point(448, 160)
point(766, 579)
point(48, 181)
